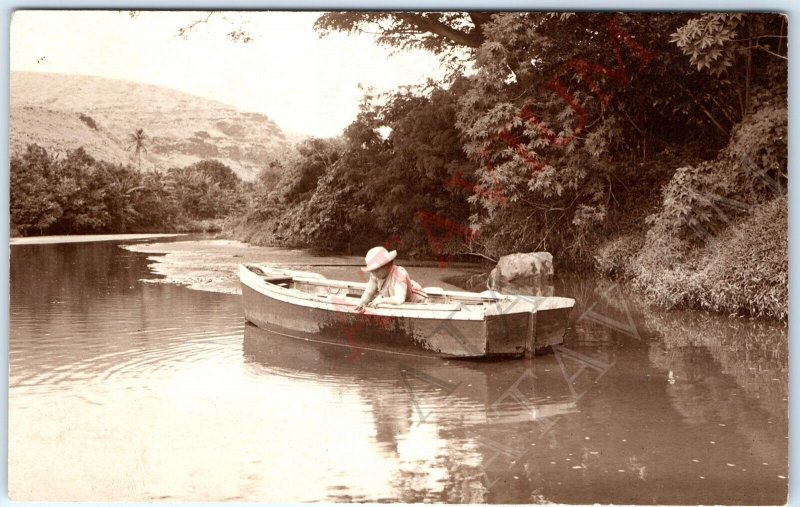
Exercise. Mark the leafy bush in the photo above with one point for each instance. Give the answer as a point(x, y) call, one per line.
point(747, 269)
point(613, 258)
point(88, 120)
point(33, 203)
point(744, 271)
point(77, 194)
point(206, 190)
point(368, 187)
point(710, 41)
point(702, 199)
point(718, 240)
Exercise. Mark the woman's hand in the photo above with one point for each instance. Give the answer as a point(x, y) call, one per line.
point(375, 302)
point(360, 309)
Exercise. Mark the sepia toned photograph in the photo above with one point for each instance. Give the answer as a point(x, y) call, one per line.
point(398, 257)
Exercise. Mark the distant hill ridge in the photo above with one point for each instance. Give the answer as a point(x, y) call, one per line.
point(63, 112)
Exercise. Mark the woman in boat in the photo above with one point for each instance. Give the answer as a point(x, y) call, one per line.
point(388, 283)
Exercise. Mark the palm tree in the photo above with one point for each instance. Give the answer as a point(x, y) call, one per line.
point(138, 142)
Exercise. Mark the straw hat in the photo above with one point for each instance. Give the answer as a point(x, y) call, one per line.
point(377, 257)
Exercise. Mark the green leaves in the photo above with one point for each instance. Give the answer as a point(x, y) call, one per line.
point(438, 32)
point(598, 119)
point(77, 194)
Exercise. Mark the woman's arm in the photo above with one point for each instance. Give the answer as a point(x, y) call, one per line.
point(369, 291)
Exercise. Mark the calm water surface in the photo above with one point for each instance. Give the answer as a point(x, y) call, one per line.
point(128, 390)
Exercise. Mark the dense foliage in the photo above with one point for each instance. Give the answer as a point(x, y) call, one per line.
point(206, 190)
point(636, 144)
point(573, 126)
point(631, 143)
point(719, 239)
point(393, 165)
point(77, 194)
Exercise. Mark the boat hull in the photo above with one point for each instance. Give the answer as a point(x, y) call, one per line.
point(368, 331)
point(505, 329)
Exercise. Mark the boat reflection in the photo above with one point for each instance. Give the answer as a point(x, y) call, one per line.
point(475, 392)
point(441, 422)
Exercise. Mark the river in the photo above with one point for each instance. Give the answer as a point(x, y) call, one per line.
point(133, 377)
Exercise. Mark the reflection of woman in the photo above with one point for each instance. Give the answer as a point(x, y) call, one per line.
point(388, 283)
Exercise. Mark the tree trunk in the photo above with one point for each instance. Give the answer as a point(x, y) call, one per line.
point(748, 69)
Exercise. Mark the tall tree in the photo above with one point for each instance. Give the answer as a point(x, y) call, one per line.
point(138, 143)
point(33, 203)
point(566, 115)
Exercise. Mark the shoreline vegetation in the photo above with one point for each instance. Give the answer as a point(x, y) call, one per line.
point(654, 154)
point(73, 193)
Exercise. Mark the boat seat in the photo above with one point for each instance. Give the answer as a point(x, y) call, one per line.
point(436, 295)
point(277, 280)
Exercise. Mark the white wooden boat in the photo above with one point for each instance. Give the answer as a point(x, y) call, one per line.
point(450, 324)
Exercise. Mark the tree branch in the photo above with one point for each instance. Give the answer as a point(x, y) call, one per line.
point(185, 30)
point(476, 254)
point(770, 52)
point(479, 19)
point(703, 108)
point(427, 24)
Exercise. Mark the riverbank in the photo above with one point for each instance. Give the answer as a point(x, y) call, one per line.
point(743, 272)
point(698, 223)
point(85, 238)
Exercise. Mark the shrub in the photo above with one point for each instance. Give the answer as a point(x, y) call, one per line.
point(747, 268)
point(77, 194)
point(701, 200)
point(613, 258)
point(718, 240)
point(743, 271)
point(207, 189)
point(88, 120)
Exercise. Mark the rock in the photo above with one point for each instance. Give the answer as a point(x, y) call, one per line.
point(530, 273)
point(523, 265)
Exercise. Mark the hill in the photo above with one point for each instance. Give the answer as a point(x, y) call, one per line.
point(62, 112)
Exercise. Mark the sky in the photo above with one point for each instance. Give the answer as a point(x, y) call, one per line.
point(306, 84)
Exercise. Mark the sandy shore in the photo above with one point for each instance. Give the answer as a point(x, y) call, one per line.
point(85, 238)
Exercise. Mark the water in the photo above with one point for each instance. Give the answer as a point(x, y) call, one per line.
point(128, 390)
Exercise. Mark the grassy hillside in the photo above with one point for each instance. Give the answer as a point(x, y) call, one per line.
point(62, 112)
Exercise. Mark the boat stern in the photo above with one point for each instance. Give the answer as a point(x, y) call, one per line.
point(508, 327)
point(526, 324)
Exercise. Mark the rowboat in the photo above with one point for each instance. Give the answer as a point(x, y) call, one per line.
point(450, 324)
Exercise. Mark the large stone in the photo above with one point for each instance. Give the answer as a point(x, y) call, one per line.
point(523, 273)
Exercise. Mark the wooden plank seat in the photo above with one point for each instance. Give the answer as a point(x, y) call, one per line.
point(278, 280)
